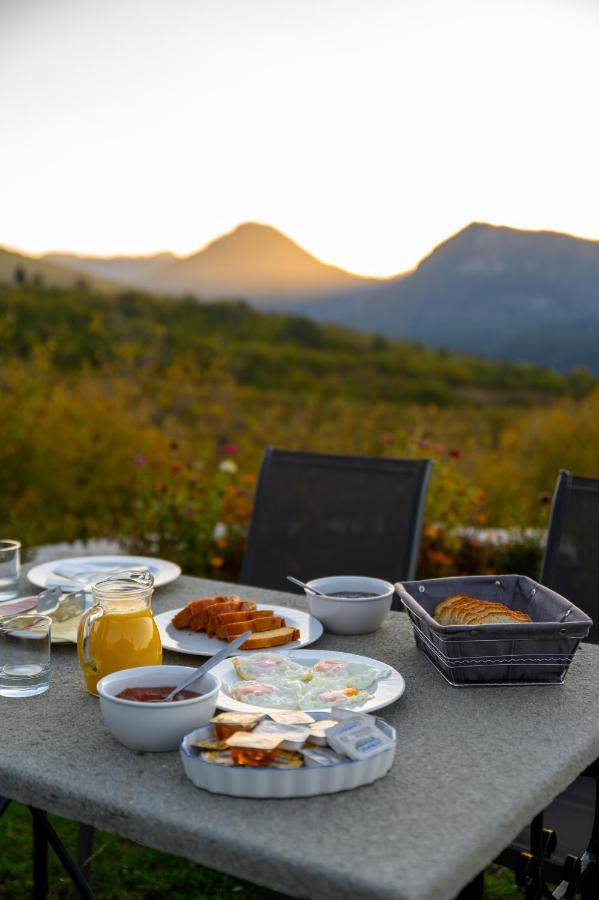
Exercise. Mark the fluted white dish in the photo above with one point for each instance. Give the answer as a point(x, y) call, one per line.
point(240, 781)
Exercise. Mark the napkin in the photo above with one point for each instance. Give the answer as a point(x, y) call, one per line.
point(66, 631)
point(21, 605)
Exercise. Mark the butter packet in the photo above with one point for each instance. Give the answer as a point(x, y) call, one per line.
point(252, 741)
point(293, 736)
point(358, 737)
point(321, 756)
point(286, 759)
point(222, 757)
point(318, 731)
point(290, 717)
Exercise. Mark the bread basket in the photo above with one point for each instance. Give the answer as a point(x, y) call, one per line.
point(533, 653)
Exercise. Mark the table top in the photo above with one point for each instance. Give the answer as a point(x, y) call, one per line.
point(473, 766)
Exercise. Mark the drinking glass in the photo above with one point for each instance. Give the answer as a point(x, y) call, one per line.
point(24, 655)
point(10, 565)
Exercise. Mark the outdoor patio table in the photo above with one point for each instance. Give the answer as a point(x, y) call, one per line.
point(473, 766)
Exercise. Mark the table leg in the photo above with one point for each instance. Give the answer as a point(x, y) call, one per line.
point(40, 861)
point(85, 846)
point(4, 803)
point(42, 826)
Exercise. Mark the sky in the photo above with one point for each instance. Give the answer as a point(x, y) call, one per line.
point(366, 130)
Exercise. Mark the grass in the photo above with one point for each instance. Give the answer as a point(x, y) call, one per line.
point(124, 869)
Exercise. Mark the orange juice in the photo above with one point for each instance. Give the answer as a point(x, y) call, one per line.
point(118, 632)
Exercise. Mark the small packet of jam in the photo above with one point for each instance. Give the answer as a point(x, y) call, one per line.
point(211, 744)
point(227, 723)
point(290, 717)
point(318, 731)
point(253, 749)
point(221, 757)
point(293, 736)
point(358, 737)
point(321, 756)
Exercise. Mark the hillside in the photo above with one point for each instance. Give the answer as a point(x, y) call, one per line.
point(254, 262)
point(493, 291)
point(266, 351)
point(46, 271)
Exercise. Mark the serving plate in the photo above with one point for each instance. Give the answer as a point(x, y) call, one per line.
point(240, 781)
point(387, 691)
point(43, 575)
point(197, 643)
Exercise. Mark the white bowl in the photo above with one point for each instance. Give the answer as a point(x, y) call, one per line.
point(155, 726)
point(241, 781)
point(350, 615)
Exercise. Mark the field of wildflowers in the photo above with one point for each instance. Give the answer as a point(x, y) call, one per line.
point(150, 426)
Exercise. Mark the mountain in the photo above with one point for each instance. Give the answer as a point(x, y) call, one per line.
point(253, 261)
point(490, 290)
point(128, 270)
point(494, 291)
point(46, 271)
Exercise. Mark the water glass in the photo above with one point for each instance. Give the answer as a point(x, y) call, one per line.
point(10, 565)
point(24, 655)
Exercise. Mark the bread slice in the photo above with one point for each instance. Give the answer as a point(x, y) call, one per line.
point(226, 632)
point(231, 606)
point(184, 616)
point(462, 609)
point(242, 616)
point(274, 638)
point(444, 609)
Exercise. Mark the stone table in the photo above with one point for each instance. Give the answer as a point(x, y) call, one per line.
point(473, 766)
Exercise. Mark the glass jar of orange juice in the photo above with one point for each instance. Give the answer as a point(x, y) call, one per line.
point(119, 631)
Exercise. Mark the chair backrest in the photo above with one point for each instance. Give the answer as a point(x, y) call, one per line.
point(571, 561)
point(317, 514)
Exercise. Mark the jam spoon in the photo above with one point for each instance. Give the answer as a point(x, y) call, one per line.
point(226, 651)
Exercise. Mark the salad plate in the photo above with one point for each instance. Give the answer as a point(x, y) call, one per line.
point(78, 571)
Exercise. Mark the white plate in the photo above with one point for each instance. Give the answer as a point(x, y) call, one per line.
point(163, 571)
point(388, 689)
point(198, 643)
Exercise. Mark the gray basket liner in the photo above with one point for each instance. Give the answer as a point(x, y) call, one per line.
point(534, 653)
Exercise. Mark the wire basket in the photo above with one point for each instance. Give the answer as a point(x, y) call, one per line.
point(531, 653)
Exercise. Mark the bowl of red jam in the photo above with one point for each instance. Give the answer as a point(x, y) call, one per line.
point(134, 709)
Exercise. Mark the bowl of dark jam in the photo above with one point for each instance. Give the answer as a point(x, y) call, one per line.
point(351, 604)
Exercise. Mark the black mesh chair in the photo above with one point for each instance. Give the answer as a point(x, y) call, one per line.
point(570, 567)
point(316, 514)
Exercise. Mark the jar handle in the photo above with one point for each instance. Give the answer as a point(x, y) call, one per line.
point(86, 623)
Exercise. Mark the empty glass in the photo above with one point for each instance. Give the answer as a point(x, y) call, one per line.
point(10, 565)
point(24, 655)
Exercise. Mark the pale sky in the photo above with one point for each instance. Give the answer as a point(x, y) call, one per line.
point(366, 130)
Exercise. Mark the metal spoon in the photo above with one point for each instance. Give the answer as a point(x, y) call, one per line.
point(311, 590)
point(227, 651)
point(60, 606)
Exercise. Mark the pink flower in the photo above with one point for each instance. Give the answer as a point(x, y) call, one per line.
point(140, 460)
point(228, 449)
